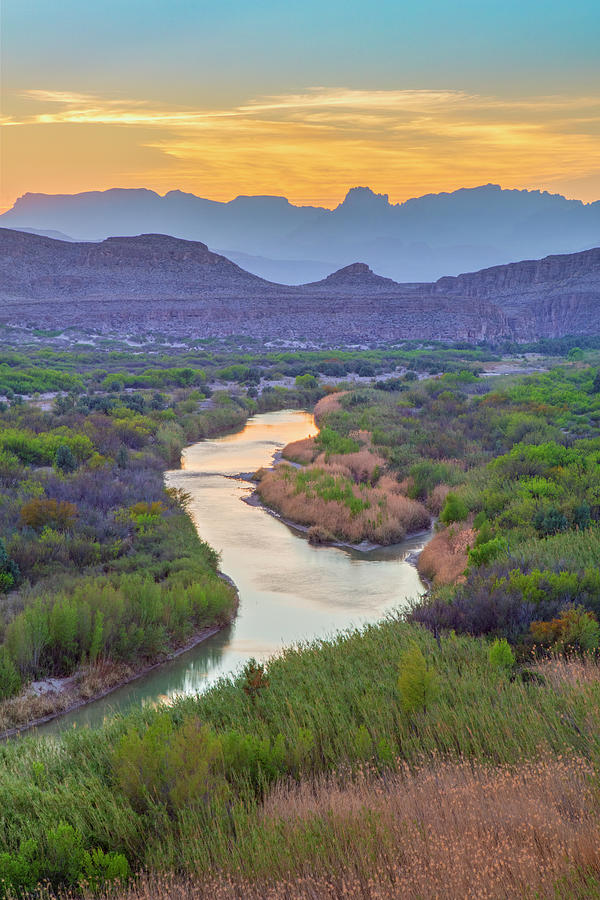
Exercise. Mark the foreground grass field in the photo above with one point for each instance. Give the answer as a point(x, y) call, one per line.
point(378, 759)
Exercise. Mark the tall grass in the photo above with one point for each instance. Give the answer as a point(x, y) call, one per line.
point(328, 495)
point(444, 559)
point(453, 831)
point(330, 707)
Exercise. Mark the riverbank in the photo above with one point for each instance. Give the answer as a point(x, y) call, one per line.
point(130, 583)
point(71, 693)
point(253, 499)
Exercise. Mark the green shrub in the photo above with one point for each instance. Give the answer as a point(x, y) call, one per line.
point(334, 443)
point(500, 655)
point(454, 510)
point(417, 682)
point(485, 553)
point(10, 681)
point(65, 460)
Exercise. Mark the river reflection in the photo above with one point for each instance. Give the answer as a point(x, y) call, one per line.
point(289, 590)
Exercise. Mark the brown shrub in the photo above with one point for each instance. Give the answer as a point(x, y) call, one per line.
point(303, 451)
point(329, 403)
point(40, 512)
point(437, 498)
point(444, 559)
point(319, 535)
point(362, 465)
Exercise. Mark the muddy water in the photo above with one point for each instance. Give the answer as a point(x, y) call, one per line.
point(289, 590)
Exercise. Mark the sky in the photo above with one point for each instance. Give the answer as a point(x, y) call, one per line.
point(301, 98)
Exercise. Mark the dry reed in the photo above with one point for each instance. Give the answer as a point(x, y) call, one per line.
point(453, 831)
point(444, 559)
point(387, 520)
point(328, 404)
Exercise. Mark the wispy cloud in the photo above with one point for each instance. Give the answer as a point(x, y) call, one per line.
point(404, 141)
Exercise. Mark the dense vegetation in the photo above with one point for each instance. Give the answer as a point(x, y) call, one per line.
point(512, 468)
point(428, 757)
point(219, 786)
point(100, 567)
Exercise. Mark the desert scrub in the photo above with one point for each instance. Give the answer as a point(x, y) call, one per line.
point(326, 495)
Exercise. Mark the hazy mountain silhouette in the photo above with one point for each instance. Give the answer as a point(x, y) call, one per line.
point(418, 240)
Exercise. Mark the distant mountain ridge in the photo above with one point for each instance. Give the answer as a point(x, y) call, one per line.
point(421, 239)
point(158, 283)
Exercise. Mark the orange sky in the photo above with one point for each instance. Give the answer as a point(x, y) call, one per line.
point(310, 146)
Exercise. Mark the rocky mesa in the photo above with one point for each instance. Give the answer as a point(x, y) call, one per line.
point(160, 283)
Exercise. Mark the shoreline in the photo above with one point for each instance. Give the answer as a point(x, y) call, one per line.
point(253, 499)
point(198, 638)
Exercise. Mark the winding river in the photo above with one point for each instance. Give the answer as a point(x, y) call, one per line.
point(289, 590)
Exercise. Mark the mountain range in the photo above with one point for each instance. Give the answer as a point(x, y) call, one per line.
point(419, 240)
point(159, 283)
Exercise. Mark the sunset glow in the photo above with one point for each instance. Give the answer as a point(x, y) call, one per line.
point(414, 132)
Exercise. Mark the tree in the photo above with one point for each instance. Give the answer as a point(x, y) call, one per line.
point(417, 682)
point(500, 655)
point(306, 382)
point(454, 510)
point(64, 459)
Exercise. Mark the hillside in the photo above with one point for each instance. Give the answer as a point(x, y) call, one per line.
point(159, 283)
point(421, 239)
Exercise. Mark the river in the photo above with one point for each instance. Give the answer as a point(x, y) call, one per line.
point(289, 590)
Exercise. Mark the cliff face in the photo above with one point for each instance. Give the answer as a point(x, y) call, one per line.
point(547, 297)
point(160, 283)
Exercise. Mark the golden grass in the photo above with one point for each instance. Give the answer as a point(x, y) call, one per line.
point(389, 518)
point(444, 559)
point(451, 831)
point(563, 671)
point(303, 451)
point(328, 404)
point(362, 466)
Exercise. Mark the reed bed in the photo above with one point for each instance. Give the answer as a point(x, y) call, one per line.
point(444, 559)
point(352, 751)
point(327, 495)
point(303, 451)
point(451, 831)
point(328, 404)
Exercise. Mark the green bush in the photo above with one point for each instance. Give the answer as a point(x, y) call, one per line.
point(454, 510)
point(417, 682)
point(485, 553)
point(10, 681)
point(500, 655)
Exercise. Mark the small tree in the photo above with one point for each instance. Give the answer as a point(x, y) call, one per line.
point(307, 381)
point(454, 510)
point(64, 459)
point(501, 656)
point(255, 679)
point(417, 682)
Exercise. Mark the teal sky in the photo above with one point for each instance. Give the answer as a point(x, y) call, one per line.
point(196, 57)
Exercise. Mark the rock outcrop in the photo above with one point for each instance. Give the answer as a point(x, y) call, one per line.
point(157, 283)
